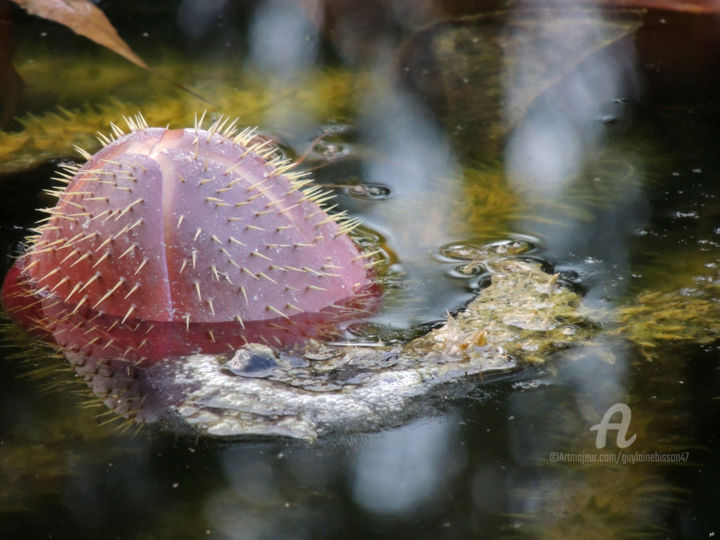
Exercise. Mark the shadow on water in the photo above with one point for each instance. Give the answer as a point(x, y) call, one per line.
point(580, 131)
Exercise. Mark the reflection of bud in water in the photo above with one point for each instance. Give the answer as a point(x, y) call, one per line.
point(170, 242)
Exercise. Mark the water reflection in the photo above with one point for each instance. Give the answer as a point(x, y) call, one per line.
point(551, 151)
point(570, 140)
point(558, 418)
point(567, 127)
point(396, 472)
point(557, 495)
point(197, 17)
point(253, 506)
point(283, 38)
point(414, 159)
point(545, 153)
point(276, 491)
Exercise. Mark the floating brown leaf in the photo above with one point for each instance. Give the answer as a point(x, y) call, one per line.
point(83, 18)
point(688, 6)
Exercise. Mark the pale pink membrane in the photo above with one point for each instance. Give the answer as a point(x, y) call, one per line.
point(176, 241)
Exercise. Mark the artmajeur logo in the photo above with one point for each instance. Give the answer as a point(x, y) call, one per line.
point(616, 418)
point(621, 427)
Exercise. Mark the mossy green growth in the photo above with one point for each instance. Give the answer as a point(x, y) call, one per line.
point(488, 203)
point(659, 318)
point(529, 315)
point(273, 104)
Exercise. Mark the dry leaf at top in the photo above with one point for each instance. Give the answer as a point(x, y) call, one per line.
point(83, 18)
point(689, 6)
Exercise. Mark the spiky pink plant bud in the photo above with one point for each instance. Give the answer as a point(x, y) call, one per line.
point(169, 242)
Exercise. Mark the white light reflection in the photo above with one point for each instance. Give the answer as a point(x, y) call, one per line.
point(412, 156)
point(414, 159)
point(415, 154)
point(283, 37)
point(244, 508)
point(550, 146)
point(397, 471)
point(569, 131)
point(283, 41)
point(557, 418)
point(547, 157)
point(544, 154)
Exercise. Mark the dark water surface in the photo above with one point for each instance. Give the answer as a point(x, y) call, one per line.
point(596, 144)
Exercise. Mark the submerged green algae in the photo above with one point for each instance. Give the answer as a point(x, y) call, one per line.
point(659, 318)
point(254, 100)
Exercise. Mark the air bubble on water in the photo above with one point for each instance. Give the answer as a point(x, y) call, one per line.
point(374, 192)
point(692, 214)
point(333, 128)
point(528, 385)
point(465, 271)
point(480, 282)
point(330, 150)
point(475, 250)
